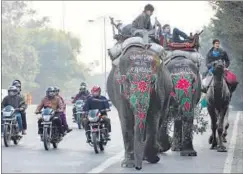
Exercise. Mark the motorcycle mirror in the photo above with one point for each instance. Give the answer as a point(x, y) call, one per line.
point(72, 97)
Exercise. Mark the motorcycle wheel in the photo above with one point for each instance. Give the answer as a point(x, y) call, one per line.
point(46, 139)
point(101, 146)
point(6, 136)
point(79, 121)
point(95, 143)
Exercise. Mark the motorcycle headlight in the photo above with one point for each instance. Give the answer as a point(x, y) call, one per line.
point(46, 117)
point(93, 119)
point(6, 114)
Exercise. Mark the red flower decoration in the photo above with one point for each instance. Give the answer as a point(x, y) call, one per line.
point(187, 106)
point(183, 84)
point(141, 115)
point(142, 86)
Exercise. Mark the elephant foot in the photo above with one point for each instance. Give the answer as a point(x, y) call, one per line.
point(138, 168)
point(221, 149)
point(175, 148)
point(153, 160)
point(210, 140)
point(165, 143)
point(188, 153)
point(127, 163)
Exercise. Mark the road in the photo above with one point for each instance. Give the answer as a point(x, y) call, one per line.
point(75, 156)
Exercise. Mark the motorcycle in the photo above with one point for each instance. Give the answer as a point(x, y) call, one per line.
point(10, 125)
point(51, 133)
point(97, 130)
point(79, 112)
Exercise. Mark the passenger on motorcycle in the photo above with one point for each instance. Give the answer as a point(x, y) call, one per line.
point(54, 102)
point(63, 115)
point(17, 83)
point(217, 53)
point(82, 95)
point(97, 101)
point(17, 102)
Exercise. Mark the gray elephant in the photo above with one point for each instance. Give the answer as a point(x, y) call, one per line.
point(184, 97)
point(139, 87)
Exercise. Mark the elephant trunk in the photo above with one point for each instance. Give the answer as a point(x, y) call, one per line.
point(140, 92)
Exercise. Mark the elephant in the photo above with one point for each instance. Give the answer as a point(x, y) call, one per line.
point(139, 87)
point(184, 97)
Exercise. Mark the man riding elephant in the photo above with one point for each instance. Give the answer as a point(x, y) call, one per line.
point(139, 88)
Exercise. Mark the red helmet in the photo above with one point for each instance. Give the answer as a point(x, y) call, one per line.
point(96, 89)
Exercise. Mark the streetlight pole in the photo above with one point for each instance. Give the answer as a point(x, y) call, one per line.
point(105, 53)
point(104, 42)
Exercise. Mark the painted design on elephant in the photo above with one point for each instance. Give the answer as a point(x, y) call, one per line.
point(141, 76)
point(184, 88)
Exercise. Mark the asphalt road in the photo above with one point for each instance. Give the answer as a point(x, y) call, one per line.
point(75, 156)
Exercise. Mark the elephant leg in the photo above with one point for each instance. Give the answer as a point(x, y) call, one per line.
point(187, 136)
point(177, 136)
point(127, 120)
point(163, 137)
point(151, 149)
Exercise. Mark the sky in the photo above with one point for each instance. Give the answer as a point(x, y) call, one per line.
point(74, 16)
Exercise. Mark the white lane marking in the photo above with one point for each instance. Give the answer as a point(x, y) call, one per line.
point(231, 148)
point(107, 163)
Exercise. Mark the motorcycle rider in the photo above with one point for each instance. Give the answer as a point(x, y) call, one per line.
point(97, 101)
point(63, 115)
point(15, 101)
point(17, 83)
point(54, 102)
point(82, 95)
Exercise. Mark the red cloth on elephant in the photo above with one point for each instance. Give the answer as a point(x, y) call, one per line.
point(230, 77)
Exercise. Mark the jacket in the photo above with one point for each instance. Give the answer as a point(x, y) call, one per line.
point(55, 103)
point(15, 101)
point(142, 22)
point(81, 96)
point(96, 103)
point(211, 58)
point(63, 102)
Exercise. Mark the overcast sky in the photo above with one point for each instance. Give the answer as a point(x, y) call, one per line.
point(186, 15)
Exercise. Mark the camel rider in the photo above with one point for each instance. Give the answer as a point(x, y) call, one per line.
point(167, 37)
point(97, 101)
point(54, 102)
point(143, 22)
point(17, 83)
point(63, 115)
point(82, 95)
point(217, 53)
point(16, 101)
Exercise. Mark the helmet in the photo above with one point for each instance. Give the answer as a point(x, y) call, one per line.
point(149, 7)
point(12, 90)
point(96, 90)
point(16, 81)
point(17, 85)
point(56, 90)
point(82, 87)
point(50, 92)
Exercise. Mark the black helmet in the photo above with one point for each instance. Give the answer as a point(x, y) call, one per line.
point(82, 87)
point(50, 92)
point(12, 91)
point(56, 89)
point(16, 81)
point(83, 84)
point(149, 7)
point(18, 85)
